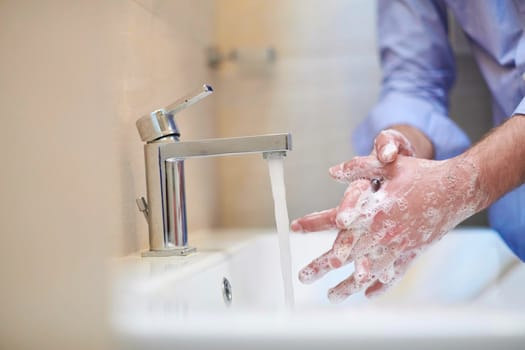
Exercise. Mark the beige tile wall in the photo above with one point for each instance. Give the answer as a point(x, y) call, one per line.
point(74, 77)
point(325, 79)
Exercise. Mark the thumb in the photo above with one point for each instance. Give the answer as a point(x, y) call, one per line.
point(389, 143)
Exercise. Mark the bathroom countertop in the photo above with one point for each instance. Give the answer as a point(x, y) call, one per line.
point(212, 248)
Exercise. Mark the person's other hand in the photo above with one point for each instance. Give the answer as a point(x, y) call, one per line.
point(388, 215)
point(402, 139)
point(389, 143)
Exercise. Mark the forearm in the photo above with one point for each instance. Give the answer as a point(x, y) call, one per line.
point(499, 159)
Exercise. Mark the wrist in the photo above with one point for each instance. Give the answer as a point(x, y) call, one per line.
point(466, 168)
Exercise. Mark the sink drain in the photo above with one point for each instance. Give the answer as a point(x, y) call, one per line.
point(226, 291)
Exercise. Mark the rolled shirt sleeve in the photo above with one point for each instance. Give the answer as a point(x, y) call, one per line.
point(521, 107)
point(418, 71)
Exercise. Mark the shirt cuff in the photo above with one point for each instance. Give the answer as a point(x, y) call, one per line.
point(397, 108)
point(521, 108)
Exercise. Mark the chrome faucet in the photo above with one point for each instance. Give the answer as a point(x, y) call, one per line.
point(165, 208)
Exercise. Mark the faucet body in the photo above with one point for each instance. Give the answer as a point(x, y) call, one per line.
point(164, 159)
point(165, 154)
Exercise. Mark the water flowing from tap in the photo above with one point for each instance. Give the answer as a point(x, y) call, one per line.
point(275, 165)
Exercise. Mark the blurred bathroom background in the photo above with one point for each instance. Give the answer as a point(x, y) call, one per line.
point(75, 76)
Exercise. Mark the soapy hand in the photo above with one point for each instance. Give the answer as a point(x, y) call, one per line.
point(388, 215)
point(389, 143)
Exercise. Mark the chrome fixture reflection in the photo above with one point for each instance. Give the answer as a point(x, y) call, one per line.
point(227, 292)
point(255, 56)
point(165, 208)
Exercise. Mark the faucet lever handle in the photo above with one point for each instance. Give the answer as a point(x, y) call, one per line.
point(161, 122)
point(189, 99)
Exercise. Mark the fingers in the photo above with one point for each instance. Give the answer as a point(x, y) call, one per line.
point(376, 289)
point(346, 288)
point(385, 228)
point(320, 221)
point(342, 248)
point(381, 286)
point(383, 263)
point(357, 168)
point(316, 269)
point(375, 260)
point(351, 205)
point(375, 274)
point(336, 257)
point(404, 261)
point(389, 143)
point(363, 245)
point(341, 217)
point(362, 269)
point(369, 242)
point(391, 275)
point(387, 275)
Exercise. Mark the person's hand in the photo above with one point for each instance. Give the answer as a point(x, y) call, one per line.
point(402, 139)
point(388, 215)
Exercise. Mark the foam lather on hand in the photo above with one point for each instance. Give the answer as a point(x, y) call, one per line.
point(382, 231)
point(389, 143)
point(388, 152)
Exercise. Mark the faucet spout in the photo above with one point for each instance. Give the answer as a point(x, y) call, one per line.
point(227, 146)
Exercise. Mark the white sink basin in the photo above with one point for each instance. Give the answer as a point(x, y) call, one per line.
point(465, 292)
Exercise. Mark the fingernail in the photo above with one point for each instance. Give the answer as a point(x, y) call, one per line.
point(307, 275)
point(296, 226)
point(388, 151)
point(334, 262)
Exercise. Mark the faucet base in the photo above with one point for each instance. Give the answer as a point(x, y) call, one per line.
point(169, 252)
